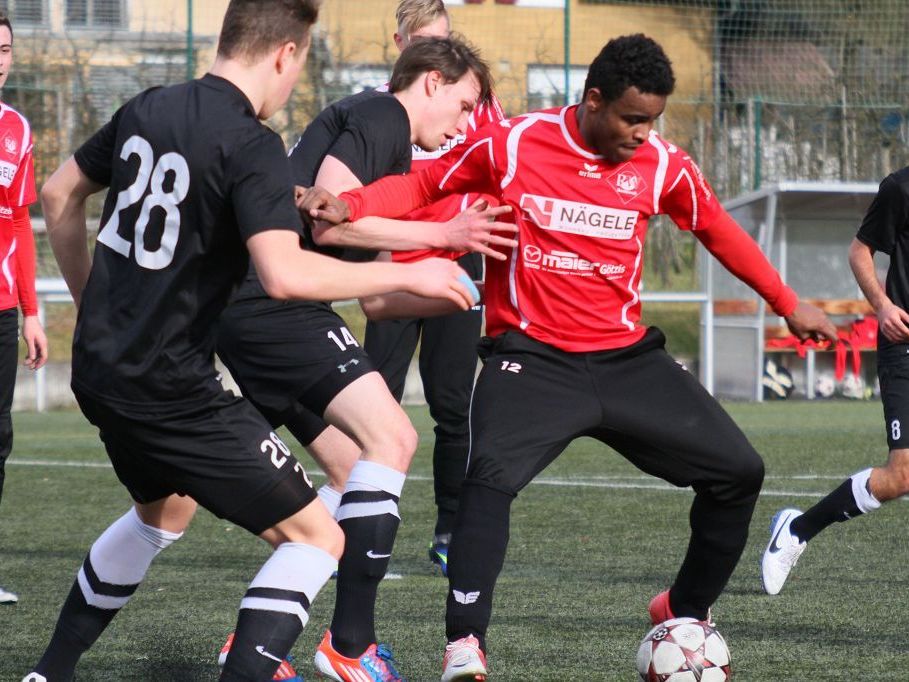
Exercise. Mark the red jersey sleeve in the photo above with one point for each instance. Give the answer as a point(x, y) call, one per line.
point(22, 189)
point(471, 169)
point(25, 261)
point(688, 198)
point(692, 204)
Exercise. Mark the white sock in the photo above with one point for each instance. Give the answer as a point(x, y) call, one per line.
point(864, 500)
point(121, 556)
point(330, 497)
point(293, 568)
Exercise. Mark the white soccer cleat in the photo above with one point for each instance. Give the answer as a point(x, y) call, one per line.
point(464, 660)
point(34, 677)
point(7, 597)
point(782, 553)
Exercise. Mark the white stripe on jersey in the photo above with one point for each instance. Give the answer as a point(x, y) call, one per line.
point(694, 196)
point(659, 177)
point(4, 266)
point(26, 147)
point(511, 145)
point(632, 289)
point(570, 140)
point(485, 140)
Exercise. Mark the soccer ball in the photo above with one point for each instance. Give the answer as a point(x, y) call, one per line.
point(825, 385)
point(683, 650)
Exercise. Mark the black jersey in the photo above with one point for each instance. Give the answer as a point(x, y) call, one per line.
point(192, 174)
point(886, 228)
point(370, 133)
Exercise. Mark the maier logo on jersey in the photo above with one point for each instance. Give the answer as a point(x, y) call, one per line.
point(573, 217)
point(627, 182)
point(568, 263)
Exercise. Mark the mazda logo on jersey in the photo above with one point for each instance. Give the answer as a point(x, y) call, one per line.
point(590, 220)
point(532, 254)
point(627, 182)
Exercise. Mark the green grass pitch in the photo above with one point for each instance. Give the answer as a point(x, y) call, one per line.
point(591, 542)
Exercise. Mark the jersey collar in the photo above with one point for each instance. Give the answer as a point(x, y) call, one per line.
point(225, 85)
point(568, 121)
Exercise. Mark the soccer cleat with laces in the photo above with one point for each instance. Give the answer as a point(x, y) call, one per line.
point(376, 664)
point(438, 552)
point(464, 661)
point(782, 553)
point(285, 671)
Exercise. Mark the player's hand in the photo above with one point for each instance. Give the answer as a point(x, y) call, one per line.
point(35, 342)
point(894, 323)
point(321, 204)
point(809, 322)
point(474, 229)
point(440, 278)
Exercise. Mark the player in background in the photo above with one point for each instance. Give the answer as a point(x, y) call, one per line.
point(448, 359)
point(197, 186)
point(299, 363)
point(17, 258)
point(884, 228)
point(566, 355)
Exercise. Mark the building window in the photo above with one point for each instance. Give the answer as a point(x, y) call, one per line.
point(94, 13)
point(546, 85)
point(25, 11)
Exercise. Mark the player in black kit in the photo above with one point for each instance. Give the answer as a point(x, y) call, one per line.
point(299, 363)
point(193, 176)
point(886, 229)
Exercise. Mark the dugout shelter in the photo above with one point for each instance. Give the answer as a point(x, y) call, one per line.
point(805, 229)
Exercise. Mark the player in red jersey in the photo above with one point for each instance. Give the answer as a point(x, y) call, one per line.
point(448, 359)
point(566, 355)
point(17, 258)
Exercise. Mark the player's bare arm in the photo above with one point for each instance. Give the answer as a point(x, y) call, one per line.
point(809, 322)
point(474, 229)
point(893, 320)
point(288, 272)
point(320, 204)
point(35, 342)
point(63, 199)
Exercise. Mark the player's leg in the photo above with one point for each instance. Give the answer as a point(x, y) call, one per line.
point(113, 569)
point(861, 493)
point(9, 351)
point(448, 367)
point(334, 452)
point(529, 402)
point(667, 425)
point(390, 345)
point(368, 514)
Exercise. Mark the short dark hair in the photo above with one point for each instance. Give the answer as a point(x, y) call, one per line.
point(452, 57)
point(633, 60)
point(4, 21)
point(253, 28)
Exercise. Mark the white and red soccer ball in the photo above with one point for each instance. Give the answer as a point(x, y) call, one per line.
point(683, 650)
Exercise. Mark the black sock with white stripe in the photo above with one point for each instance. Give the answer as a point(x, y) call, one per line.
point(369, 518)
point(275, 609)
point(109, 576)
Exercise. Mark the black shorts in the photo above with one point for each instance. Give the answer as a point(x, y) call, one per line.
point(531, 400)
point(223, 454)
point(893, 372)
point(289, 358)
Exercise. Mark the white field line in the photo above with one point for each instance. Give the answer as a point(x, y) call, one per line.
point(640, 482)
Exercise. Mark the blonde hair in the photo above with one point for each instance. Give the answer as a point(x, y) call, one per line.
point(412, 15)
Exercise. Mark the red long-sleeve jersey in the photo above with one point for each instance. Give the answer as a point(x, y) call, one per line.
point(17, 191)
point(574, 279)
point(449, 206)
